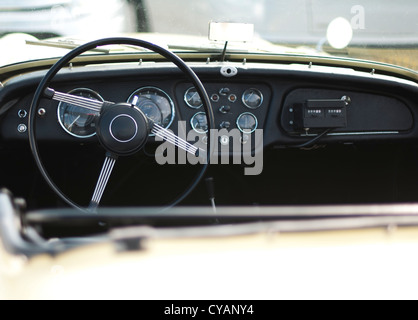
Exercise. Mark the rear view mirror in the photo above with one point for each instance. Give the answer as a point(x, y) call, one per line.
point(239, 32)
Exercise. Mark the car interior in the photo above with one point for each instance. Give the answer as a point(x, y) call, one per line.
point(367, 154)
point(280, 148)
point(122, 122)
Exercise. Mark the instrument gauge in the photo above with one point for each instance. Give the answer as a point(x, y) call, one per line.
point(155, 104)
point(76, 121)
point(247, 122)
point(199, 122)
point(252, 98)
point(192, 98)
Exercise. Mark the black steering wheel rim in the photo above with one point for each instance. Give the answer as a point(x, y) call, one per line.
point(65, 60)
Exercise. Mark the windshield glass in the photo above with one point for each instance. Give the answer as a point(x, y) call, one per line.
point(381, 31)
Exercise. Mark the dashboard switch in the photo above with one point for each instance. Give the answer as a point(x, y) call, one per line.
point(224, 91)
point(22, 128)
point(225, 125)
point(225, 109)
point(22, 113)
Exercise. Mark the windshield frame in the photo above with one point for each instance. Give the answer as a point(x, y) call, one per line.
point(295, 60)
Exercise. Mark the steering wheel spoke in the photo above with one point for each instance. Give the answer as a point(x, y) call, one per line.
point(95, 105)
point(82, 102)
point(174, 139)
point(103, 180)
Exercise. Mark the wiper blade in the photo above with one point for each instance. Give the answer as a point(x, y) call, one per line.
point(62, 44)
point(73, 44)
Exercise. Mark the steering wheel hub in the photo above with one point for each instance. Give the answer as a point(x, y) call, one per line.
point(123, 129)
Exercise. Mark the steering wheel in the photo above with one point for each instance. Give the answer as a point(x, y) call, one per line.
point(122, 128)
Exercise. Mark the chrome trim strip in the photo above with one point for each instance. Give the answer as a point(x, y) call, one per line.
point(354, 133)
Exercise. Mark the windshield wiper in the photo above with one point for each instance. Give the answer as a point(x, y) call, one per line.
point(62, 44)
point(73, 44)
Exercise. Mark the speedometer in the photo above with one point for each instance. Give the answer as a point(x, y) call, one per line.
point(155, 104)
point(76, 121)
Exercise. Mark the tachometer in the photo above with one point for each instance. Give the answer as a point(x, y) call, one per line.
point(155, 104)
point(76, 121)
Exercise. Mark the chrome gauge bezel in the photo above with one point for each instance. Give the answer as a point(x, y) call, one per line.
point(165, 94)
point(239, 118)
point(187, 101)
point(245, 102)
point(86, 90)
point(193, 126)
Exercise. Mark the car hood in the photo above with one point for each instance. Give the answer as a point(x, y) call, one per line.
point(294, 266)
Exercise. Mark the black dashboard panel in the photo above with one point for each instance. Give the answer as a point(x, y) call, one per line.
point(366, 112)
point(380, 108)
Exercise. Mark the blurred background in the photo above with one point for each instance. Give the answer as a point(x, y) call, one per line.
point(387, 29)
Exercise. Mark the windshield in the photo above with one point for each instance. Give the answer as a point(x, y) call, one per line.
point(376, 30)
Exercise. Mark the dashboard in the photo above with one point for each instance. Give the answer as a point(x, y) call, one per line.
point(245, 98)
point(361, 124)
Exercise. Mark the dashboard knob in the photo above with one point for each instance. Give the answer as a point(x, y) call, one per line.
point(225, 125)
point(224, 109)
point(224, 140)
point(224, 91)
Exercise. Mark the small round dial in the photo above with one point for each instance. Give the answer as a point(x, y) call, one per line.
point(155, 104)
point(199, 122)
point(76, 121)
point(252, 98)
point(247, 122)
point(192, 98)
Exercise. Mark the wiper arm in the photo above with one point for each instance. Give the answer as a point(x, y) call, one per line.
point(62, 44)
point(72, 44)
